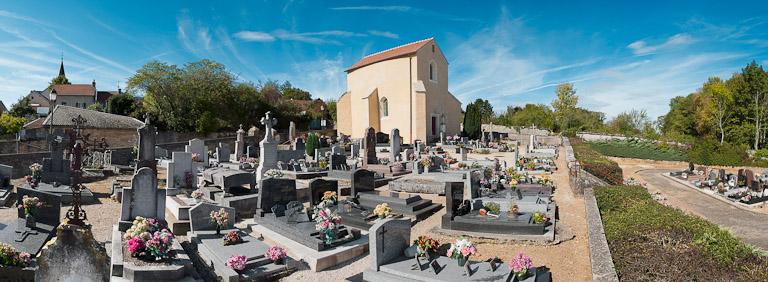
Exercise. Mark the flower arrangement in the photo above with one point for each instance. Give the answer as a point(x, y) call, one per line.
point(482, 212)
point(197, 194)
point(514, 210)
point(145, 239)
point(219, 218)
point(274, 173)
point(37, 170)
point(382, 210)
point(461, 250)
point(276, 254)
point(539, 217)
point(520, 265)
point(30, 204)
point(426, 163)
point(327, 221)
point(493, 208)
point(196, 157)
point(232, 238)
point(329, 198)
point(9, 256)
point(425, 244)
point(463, 165)
point(236, 262)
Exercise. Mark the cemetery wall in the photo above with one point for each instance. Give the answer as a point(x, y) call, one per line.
point(21, 162)
point(546, 140)
point(587, 136)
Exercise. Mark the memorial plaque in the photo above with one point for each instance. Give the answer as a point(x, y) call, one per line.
point(278, 210)
point(467, 269)
point(436, 268)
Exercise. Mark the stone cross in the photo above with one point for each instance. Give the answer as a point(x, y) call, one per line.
point(268, 148)
point(268, 121)
point(292, 131)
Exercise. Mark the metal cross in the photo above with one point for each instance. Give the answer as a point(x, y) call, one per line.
point(75, 215)
point(383, 230)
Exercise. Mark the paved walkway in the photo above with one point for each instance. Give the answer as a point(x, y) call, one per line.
point(752, 227)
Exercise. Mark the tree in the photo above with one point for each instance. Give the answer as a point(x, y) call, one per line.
point(564, 104)
point(721, 101)
point(332, 109)
point(629, 123)
point(96, 107)
point(485, 109)
point(22, 108)
point(11, 124)
point(123, 104)
point(472, 121)
point(60, 79)
point(538, 115)
point(290, 92)
point(757, 86)
point(313, 142)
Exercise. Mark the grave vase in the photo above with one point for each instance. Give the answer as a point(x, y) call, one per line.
point(218, 229)
point(280, 261)
point(30, 220)
point(462, 260)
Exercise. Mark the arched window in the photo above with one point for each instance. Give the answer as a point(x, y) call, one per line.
point(384, 107)
point(432, 72)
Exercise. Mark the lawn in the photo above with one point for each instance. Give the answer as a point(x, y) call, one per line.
point(638, 149)
point(653, 242)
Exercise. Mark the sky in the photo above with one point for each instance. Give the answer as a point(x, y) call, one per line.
point(620, 55)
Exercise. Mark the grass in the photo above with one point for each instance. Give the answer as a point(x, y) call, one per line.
point(638, 149)
point(653, 242)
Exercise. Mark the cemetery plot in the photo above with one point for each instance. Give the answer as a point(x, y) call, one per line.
point(744, 188)
point(232, 254)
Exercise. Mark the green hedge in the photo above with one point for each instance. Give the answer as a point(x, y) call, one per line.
point(597, 164)
point(650, 241)
point(638, 149)
point(710, 152)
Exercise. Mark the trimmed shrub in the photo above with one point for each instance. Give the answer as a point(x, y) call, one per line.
point(710, 152)
point(313, 142)
point(597, 164)
point(638, 149)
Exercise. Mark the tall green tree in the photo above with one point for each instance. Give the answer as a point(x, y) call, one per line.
point(10, 124)
point(59, 79)
point(757, 86)
point(485, 109)
point(472, 121)
point(290, 92)
point(538, 115)
point(720, 103)
point(564, 104)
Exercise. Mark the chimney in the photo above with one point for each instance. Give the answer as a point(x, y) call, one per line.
point(119, 91)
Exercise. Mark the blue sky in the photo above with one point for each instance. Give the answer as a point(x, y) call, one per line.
point(620, 55)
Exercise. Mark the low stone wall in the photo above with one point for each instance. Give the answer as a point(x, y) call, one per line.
point(603, 269)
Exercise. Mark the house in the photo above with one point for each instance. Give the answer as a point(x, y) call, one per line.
point(405, 87)
point(114, 130)
point(75, 95)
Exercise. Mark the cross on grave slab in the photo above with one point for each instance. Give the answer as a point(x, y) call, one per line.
point(268, 121)
point(23, 231)
point(293, 210)
point(381, 233)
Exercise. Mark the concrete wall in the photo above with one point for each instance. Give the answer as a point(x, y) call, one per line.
point(75, 101)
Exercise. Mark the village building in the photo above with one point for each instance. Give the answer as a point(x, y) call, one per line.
point(74, 95)
point(405, 87)
point(110, 129)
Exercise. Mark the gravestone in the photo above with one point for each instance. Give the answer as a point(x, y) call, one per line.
point(273, 191)
point(407, 155)
point(531, 143)
point(268, 145)
point(722, 175)
point(387, 239)
point(240, 144)
point(749, 177)
point(318, 186)
point(292, 131)
point(75, 255)
point(197, 146)
point(298, 145)
point(419, 147)
point(355, 150)
point(178, 168)
point(55, 167)
point(200, 217)
point(369, 147)
point(394, 145)
point(362, 181)
point(147, 137)
point(338, 162)
point(142, 198)
point(442, 137)
point(222, 153)
point(381, 137)
point(252, 151)
point(463, 152)
point(49, 213)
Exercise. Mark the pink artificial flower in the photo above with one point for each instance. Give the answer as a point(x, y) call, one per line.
point(322, 214)
point(136, 244)
point(25, 257)
point(465, 251)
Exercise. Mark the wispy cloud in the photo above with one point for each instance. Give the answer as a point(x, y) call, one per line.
point(12, 15)
point(374, 8)
point(386, 34)
point(93, 55)
point(194, 37)
point(254, 36)
point(318, 37)
point(641, 47)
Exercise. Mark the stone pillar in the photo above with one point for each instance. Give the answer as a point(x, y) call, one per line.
point(394, 145)
point(147, 139)
point(292, 131)
point(240, 144)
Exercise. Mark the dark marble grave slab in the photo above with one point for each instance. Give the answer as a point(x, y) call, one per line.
point(304, 232)
point(404, 268)
point(64, 191)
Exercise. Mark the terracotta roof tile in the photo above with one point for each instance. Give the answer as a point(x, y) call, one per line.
point(74, 89)
point(400, 51)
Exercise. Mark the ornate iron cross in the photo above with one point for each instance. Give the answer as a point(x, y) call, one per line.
point(76, 215)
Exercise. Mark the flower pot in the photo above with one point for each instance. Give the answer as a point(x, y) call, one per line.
point(280, 261)
point(30, 221)
point(462, 260)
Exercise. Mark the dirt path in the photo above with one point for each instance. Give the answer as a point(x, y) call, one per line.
point(750, 226)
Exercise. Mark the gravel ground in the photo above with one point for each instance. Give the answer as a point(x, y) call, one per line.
point(568, 261)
